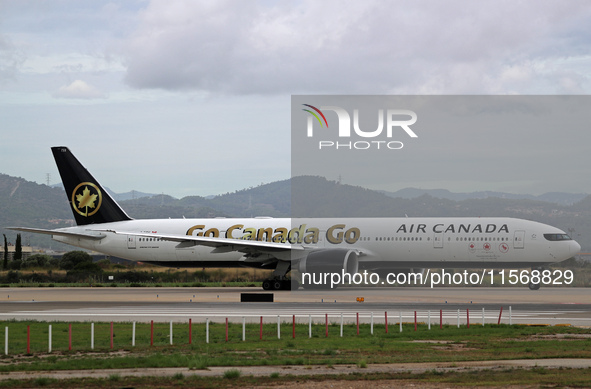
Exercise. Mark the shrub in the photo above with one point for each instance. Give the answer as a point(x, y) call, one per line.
point(104, 263)
point(13, 277)
point(82, 271)
point(15, 264)
point(232, 374)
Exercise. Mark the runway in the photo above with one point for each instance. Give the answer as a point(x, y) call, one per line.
point(520, 305)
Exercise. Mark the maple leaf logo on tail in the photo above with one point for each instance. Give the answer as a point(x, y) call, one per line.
point(87, 199)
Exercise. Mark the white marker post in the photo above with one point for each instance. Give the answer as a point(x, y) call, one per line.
point(400, 321)
point(278, 327)
point(133, 334)
point(429, 319)
point(510, 317)
point(207, 330)
point(458, 318)
point(171, 332)
point(243, 328)
point(483, 317)
point(5, 340)
point(341, 324)
point(92, 336)
point(309, 326)
point(371, 323)
point(49, 341)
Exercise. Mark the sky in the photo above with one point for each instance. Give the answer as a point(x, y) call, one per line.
point(194, 97)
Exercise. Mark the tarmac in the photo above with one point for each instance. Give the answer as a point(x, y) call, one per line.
point(554, 306)
point(547, 306)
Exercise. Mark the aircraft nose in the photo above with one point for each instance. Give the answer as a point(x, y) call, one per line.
point(575, 248)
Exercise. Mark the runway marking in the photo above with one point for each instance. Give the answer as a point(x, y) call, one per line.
point(449, 316)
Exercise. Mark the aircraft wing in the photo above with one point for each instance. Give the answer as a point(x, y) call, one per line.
point(89, 234)
point(280, 250)
point(223, 244)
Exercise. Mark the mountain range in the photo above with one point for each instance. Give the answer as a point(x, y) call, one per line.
point(559, 198)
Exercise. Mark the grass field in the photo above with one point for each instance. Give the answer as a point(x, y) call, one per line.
point(447, 344)
point(450, 344)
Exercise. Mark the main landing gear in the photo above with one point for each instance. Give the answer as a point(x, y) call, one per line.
point(279, 280)
point(277, 284)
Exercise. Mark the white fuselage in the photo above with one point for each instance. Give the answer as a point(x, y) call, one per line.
point(382, 242)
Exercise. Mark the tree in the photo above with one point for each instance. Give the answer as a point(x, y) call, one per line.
point(37, 260)
point(18, 248)
point(73, 258)
point(5, 264)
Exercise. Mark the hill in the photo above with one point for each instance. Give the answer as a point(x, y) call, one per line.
point(559, 198)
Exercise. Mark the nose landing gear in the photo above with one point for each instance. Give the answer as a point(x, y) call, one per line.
point(535, 286)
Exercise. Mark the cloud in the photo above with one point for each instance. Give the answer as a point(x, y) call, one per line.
point(10, 59)
point(424, 46)
point(79, 90)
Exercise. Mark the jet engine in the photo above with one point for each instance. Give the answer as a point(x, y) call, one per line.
point(330, 261)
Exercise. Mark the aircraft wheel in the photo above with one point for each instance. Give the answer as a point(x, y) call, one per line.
point(278, 285)
point(267, 285)
point(531, 285)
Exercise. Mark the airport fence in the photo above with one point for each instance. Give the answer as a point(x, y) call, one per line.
point(41, 337)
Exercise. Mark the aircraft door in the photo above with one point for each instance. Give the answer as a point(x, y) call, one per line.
point(438, 240)
point(518, 239)
point(131, 241)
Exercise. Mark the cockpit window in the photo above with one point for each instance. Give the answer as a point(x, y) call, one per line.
point(556, 237)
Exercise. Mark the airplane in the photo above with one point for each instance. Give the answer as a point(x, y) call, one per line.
point(309, 245)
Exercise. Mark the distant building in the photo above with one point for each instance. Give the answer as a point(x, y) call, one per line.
point(27, 252)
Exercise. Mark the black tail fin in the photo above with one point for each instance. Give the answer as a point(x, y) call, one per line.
point(90, 202)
